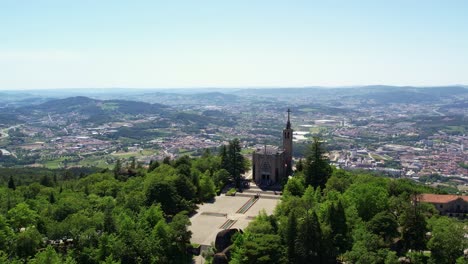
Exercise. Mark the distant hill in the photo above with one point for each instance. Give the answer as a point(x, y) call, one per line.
point(18, 99)
point(8, 119)
point(415, 95)
point(96, 111)
point(203, 98)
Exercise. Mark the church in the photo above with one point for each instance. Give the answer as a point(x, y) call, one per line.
point(273, 164)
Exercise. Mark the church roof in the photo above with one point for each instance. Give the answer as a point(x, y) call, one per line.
point(268, 150)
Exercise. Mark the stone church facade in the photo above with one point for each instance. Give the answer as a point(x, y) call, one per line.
point(270, 164)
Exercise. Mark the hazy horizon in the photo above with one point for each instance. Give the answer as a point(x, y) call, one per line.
point(231, 88)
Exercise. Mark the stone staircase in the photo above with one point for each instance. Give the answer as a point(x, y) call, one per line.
point(254, 190)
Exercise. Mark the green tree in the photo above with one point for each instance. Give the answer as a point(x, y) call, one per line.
point(28, 242)
point(167, 160)
point(294, 186)
point(151, 216)
point(22, 216)
point(51, 198)
point(309, 239)
point(207, 188)
point(109, 247)
point(220, 178)
point(385, 226)
point(300, 165)
point(233, 161)
point(11, 183)
point(47, 256)
point(413, 226)
point(185, 187)
point(159, 243)
point(180, 237)
point(447, 241)
point(291, 236)
point(223, 154)
point(339, 181)
point(46, 181)
point(153, 165)
point(109, 222)
point(117, 168)
point(258, 248)
point(262, 224)
point(339, 227)
point(162, 191)
point(6, 235)
point(368, 198)
point(317, 168)
point(366, 248)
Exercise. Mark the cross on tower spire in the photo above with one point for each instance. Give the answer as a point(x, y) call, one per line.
point(288, 124)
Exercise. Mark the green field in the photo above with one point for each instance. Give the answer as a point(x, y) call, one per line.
point(318, 130)
point(457, 129)
point(126, 155)
point(379, 157)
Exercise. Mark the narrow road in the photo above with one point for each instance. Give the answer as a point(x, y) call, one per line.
point(437, 112)
point(4, 132)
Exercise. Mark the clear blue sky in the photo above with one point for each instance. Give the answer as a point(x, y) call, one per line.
point(160, 44)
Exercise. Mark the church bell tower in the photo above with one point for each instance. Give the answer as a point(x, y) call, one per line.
point(288, 145)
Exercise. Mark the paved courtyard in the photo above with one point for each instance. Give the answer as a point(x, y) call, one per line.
point(224, 213)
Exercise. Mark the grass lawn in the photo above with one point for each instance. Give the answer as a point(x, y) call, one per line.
point(378, 157)
point(126, 155)
point(459, 129)
point(53, 164)
point(318, 130)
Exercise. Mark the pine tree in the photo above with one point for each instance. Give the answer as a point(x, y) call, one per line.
point(224, 157)
point(167, 160)
point(51, 198)
point(11, 183)
point(300, 165)
point(317, 168)
point(153, 165)
point(414, 226)
point(117, 168)
point(339, 228)
point(45, 181)
point(206, 153)
point(291, 236)
point(235, 161)
point(309, 240)
point(109, 223)
point(232, 160)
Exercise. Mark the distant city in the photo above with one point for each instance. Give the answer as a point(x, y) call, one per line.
point(401, 131)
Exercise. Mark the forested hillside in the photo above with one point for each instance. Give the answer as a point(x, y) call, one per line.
point(334, 216)
point(127, 215)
